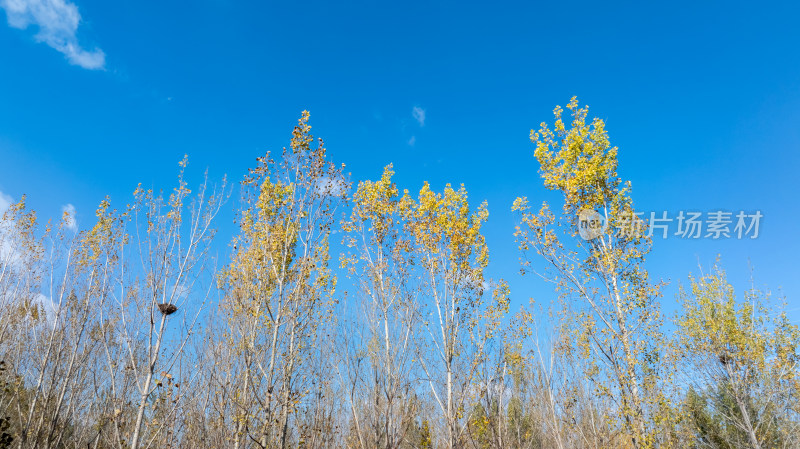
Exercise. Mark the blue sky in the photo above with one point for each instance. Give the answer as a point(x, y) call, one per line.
point(702, 98)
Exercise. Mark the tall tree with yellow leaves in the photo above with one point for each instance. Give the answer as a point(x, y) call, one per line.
point(458, 319)
point(279, 286)
point(743, 355)
point(610, 305)
point(380, 348)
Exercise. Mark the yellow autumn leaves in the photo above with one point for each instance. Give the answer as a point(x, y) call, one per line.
point(578, 161)
point(441, 223)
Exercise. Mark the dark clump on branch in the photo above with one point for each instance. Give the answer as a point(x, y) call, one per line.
point(167, 309)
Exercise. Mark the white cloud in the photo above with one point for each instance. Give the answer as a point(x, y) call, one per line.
point(47, 305)
point(328, 186)
point(68, 214)
point(58, 22)
point(419, 115)
point(5, 202)
point(179, 293)
point(412, 140)
point(9, 255)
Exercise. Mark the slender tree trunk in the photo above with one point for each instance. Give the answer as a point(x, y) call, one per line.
point(145, 392)
point(740, 403)
point(388, 380)
point(631, 380)
point(240, 425)
point(287, 386)
point(451, 442)
point(751, 433)
point(271, 372)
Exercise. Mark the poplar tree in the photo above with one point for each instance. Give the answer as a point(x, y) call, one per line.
point(610, 305)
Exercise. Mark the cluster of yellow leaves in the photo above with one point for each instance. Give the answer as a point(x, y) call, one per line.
point(379, 205)
point(444, 225)
point(580, 161)
point(103, 238)
point(287, 193)
point(438, 227)
point(746, 334)
point(18, 231)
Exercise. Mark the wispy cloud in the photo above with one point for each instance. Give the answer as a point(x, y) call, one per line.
point(419, 115)
point(58, 22)
point(331, 186)
point(5, 202)
point(412, 140)
point(9, 256)
point(68, 214)
point(46, 305)
point(178, 294)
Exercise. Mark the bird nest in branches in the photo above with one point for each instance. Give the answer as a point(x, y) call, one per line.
point(167, 309)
